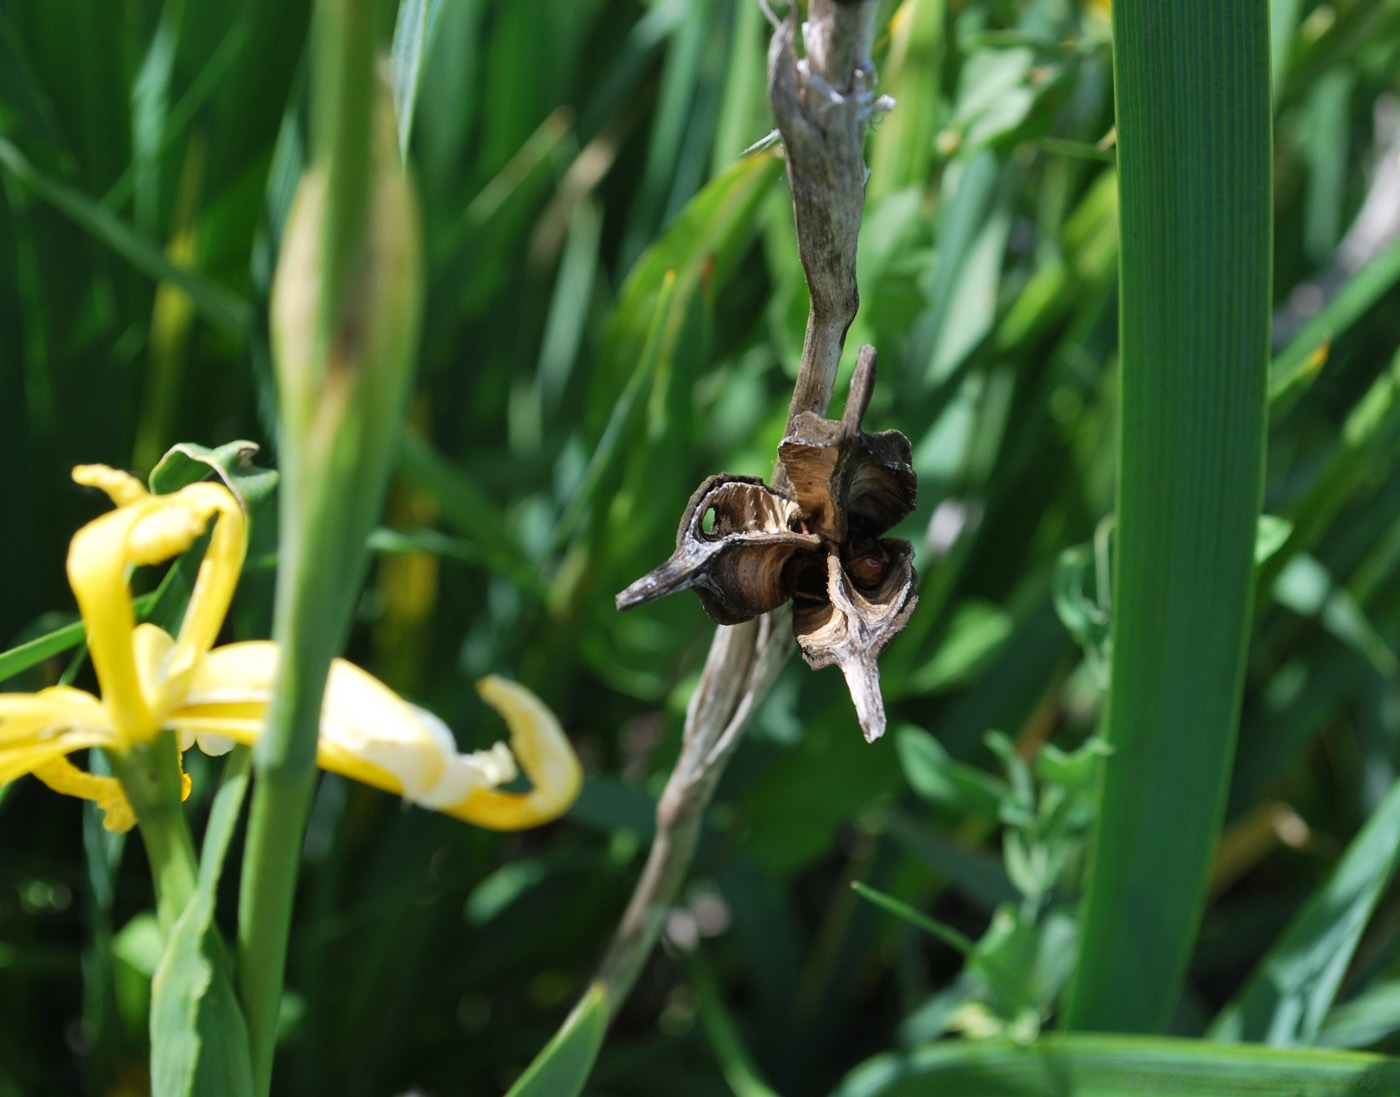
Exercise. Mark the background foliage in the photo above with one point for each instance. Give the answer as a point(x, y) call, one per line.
point(571, 392)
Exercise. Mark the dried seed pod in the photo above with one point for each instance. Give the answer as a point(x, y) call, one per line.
point(738, 565)
point(843, 477)
point(819, 545)
point(854, 625)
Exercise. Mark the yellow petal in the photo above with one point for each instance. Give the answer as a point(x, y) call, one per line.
point(62, 776)
point(370, 734)
point(97, 571)
point(36, 728)
point(121, 487)
point(545, 755)
point(149, 529)
point(218, 573)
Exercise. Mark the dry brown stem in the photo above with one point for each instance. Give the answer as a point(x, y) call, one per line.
point(822, 104)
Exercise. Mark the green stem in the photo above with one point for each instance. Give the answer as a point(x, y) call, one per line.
point(277, 820)
point(150, 776)
point(312, 616)
point(321, 555)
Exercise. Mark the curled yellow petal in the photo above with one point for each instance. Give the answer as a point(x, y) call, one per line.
point(121, 487)
point(149, 529)
point(545, 755)
point(218, 572)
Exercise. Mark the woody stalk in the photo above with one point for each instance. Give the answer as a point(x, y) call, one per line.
point(804, 554)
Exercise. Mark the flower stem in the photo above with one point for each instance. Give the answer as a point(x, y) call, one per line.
point(150, 776)
point(277, 819)
point(744, 659)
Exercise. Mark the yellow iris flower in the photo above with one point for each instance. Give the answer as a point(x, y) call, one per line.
point(216, 697)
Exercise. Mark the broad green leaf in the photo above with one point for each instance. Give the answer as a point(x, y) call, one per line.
point(188, 463)
point(958, 788)
point(561, 1069)
point(1194, 161)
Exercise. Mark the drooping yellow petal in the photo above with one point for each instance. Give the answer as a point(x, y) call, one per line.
point(371, 735)
point(367, 732)
point(97, 571)
point(36, 728)
point(545, 755)
point(38, 731)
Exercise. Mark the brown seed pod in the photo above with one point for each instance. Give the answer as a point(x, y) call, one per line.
point(737, 566)
point(849, 483)
point(857, 624)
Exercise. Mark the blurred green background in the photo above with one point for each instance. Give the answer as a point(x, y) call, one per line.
point(569, 154)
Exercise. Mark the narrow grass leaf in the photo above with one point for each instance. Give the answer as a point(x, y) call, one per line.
point(561, 1069)
point(225, 310)
point(1288, 996)
point(414, 30)
point(1367, 437)
point(901, 153)
point(1072, 1065)
point(702, 242)
point(1305, 353)
point(610, 452)
point(725, 1040)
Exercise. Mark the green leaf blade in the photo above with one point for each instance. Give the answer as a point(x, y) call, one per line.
point(1194, 177)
